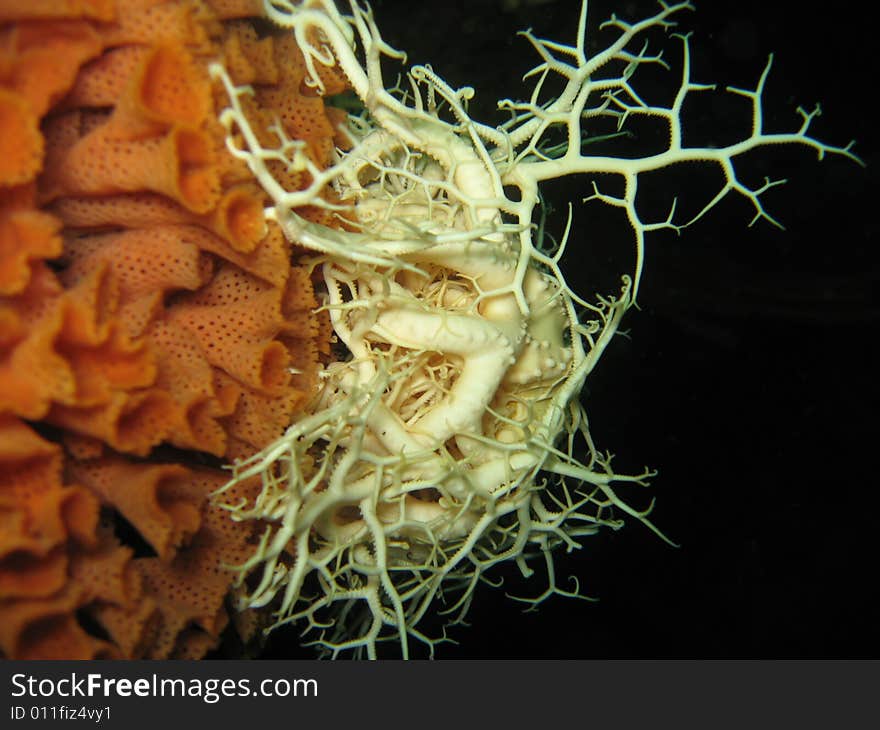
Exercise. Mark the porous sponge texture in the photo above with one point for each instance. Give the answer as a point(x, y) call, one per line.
point(150, 319)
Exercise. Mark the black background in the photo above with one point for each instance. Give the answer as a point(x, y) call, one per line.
point(749, 375)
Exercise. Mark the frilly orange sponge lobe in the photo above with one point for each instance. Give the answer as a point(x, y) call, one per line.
point(150, 318)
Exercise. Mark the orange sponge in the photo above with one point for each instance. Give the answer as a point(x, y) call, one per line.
point(86, 157)
point(21, 144)
point(156, 499)
point(145, 303)
point(42, 9)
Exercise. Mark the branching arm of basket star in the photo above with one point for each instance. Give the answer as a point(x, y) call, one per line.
point(449, 434)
